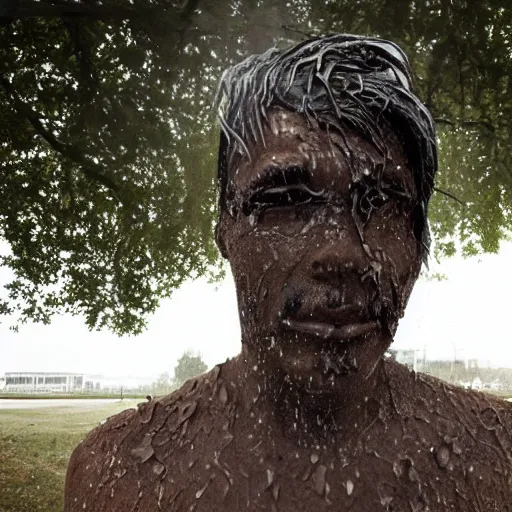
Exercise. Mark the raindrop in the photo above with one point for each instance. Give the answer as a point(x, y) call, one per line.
point(275, 491)
point(443, 456)
point(200, 492)
point(350, 487)
point(223, 394)
point(318, 479)
point(158, 468)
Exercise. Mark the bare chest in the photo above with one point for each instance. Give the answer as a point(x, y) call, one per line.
point(222, 473)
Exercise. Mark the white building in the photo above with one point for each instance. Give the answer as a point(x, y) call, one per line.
point(47, 382)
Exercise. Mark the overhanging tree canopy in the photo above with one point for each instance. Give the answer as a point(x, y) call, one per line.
point(108, 143)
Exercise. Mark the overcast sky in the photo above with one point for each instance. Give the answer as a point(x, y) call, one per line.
point(469, 314)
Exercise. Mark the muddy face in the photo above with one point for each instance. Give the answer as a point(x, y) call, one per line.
point(319, 233)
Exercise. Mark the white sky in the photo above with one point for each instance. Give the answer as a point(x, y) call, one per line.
point(467, 314)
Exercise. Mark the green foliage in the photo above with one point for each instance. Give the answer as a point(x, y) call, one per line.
point(108, 145)
point(189, 365)
point(106, 168)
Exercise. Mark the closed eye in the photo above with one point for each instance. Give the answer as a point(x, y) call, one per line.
point(288, 195)
point(280, 187)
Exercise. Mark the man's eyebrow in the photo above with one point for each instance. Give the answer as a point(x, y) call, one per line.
point(280, 176)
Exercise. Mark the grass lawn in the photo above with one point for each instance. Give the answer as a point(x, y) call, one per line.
point(35, 446)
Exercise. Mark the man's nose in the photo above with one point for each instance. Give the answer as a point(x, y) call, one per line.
point(339, 260)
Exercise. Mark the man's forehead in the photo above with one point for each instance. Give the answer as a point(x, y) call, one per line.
point(291, 140)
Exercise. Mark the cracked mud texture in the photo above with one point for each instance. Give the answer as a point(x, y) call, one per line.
point(323, 221)
point(425, 445)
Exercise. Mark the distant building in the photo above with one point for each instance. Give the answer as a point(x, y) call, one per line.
point(2, 383)
point(48, 382)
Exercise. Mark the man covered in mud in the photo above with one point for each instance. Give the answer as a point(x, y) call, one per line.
point(326, 166)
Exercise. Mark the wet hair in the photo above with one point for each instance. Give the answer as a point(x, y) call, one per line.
point(338, 82)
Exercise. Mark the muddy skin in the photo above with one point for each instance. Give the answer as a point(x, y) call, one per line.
point(321, 231)
point(306, 419)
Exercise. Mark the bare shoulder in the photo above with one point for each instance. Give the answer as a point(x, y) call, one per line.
point(453, 401)
point(466, 435)
point(114, 457)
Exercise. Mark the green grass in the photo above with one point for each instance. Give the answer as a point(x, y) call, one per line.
point(35, 446)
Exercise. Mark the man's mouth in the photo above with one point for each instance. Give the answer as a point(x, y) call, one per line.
point(327, 330)
point(343, 323)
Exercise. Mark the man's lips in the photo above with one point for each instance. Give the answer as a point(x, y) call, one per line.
point(330, 331)
point(343, 323)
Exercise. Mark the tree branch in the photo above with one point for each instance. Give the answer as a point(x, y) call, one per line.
point(89, 168)
point(451, 196)
point(485, 124)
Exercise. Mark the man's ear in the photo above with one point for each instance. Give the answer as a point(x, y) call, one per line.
point(219, 237)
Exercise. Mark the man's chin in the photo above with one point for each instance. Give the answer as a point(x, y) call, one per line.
point(317, 373)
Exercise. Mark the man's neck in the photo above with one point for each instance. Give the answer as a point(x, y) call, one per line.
point(277, 404)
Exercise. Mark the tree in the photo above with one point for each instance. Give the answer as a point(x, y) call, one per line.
point(108, 143)
point(163, 385)
point(105, 168)
point(189, 365)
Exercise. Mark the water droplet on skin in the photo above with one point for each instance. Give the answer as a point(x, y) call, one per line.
point(443, 456)
point(318, 479)
point(275, 491)
point(223, 394)
point(350, 487)
point(200, 492)
point(270, 477)
point(158, 468)
point(314, 458)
